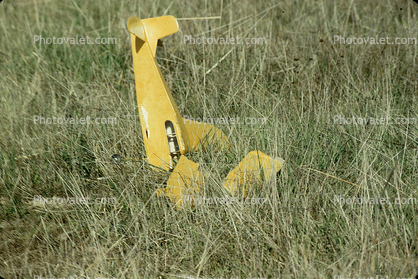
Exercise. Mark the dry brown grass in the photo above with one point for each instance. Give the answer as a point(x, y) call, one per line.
point(299, 81)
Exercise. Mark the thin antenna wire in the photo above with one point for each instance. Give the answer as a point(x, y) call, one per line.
point(197, 18)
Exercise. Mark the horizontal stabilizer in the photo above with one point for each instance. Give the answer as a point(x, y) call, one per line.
point(151, 29)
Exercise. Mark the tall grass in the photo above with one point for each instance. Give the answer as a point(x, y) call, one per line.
point(299, 81)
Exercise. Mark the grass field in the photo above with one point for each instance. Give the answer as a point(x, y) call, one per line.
point(307, 86)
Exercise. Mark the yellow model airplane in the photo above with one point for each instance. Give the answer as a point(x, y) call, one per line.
point(166, 134)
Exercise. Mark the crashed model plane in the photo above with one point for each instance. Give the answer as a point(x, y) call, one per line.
point(166, 134)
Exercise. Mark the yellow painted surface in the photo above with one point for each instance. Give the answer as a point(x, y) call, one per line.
point(166, 134)
point(185, 183)
point(157, 110)
point(251, 170)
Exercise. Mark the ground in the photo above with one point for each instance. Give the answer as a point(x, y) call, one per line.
point(329, 86)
